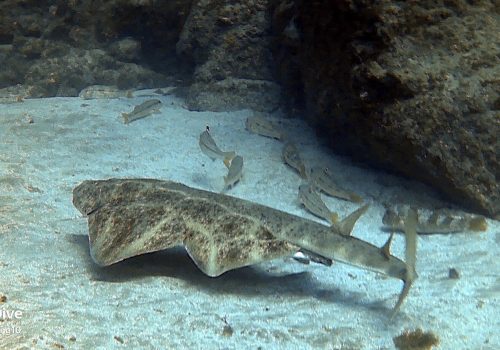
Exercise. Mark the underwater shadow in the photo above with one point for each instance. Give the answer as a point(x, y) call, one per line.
point(250, 281)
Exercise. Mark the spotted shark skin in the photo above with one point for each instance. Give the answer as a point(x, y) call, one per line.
point(129, 217)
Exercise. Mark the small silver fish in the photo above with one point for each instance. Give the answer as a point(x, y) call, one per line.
point(440, 221)
point(321, 178)
point(210, 148)
point(313, 202)
point(234, 173)
point(260, 126)
point(291, 157)
point(165, 91)
point(143, 110)
point(103, 91)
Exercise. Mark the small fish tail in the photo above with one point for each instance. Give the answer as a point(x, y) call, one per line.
point(478, 223)
point(410, 257)
point(227, 182)
point(303, 172)
point(334, 218)
point(355, 198)
point(229, 156)
point(226, 185)
point(402, 296)
point(125, 117)
point(227, 162)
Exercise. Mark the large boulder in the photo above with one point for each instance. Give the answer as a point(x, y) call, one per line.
point(412, 86)
point(230, 45)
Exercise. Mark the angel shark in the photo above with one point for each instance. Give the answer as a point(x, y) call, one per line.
point(129, 217)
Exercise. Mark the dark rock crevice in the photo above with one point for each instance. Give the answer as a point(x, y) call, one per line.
point(410, 86)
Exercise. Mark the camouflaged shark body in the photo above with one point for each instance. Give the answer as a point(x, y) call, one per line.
point(129, 217)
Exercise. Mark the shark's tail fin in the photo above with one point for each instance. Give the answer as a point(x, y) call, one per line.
point(410, 257)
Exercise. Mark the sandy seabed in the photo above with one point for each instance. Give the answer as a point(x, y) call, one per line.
point(161, 300)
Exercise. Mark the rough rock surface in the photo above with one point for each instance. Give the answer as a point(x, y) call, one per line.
point(58, 47)
point(230, 44)
point(413, 86)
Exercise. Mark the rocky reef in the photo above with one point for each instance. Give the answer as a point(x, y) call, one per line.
point(230, 44)
point(410, 86)
point(56, 48)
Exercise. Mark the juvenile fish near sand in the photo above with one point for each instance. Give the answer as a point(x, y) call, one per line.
point(234, 173)
point(17, 93)
point(440, 221)
point(260, 126)
point(210, 148)
point(103, 91)
point(8, 99)
point(291, 157)
point(321, 178)
point(313, 202)
point(143, 110)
